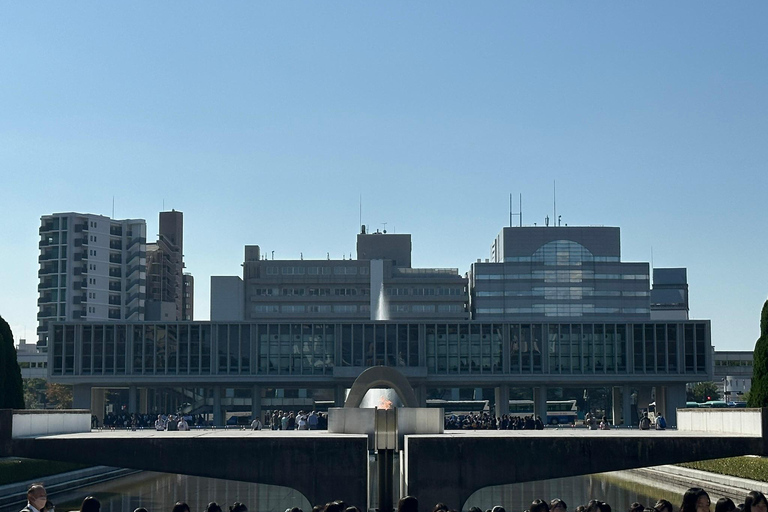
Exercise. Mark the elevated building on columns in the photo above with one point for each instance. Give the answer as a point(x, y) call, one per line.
point(554, 308)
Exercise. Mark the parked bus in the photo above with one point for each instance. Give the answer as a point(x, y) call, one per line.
point(460, 407)
point(558, 411)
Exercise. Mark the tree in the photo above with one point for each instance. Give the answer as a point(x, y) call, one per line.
point(11, 387)
point(59, 396)
point(758, 395)
point(703, 392)
point(34, 393)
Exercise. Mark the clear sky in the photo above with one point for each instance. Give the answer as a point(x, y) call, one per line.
point(266, 122)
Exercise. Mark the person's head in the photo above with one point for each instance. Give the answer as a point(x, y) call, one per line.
point(557, 505)
point(475, 509)
point(36, 496)
point(440, 506)
point(90, 504)
point(695, 499)
point(755, 502)
point(663, 506)
point(350, 508)
point(140, 509)
point(498, 508)
point(725, 505)
point(335, 506)
point(598, 506)
point(408, 504)
point(213, 507)
point(539, 506)
point(293, 509)
point(636, 507)
point(238, 507)
point(180, 506)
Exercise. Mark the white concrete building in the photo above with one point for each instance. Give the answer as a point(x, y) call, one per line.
point(91, 268)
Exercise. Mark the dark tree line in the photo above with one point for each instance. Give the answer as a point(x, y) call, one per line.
point(11, 388)
point(758, 395)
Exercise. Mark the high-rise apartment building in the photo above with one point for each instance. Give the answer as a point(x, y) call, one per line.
point(170, 292)
point(558, 273)
point(91, 268)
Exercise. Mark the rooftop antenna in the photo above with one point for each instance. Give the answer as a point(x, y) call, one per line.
point(385, 226)
point(113, 206)
point(360, 221)
point(163, 204)
point(554, 200)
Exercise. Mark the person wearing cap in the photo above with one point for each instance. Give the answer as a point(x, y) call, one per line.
point(36, 498)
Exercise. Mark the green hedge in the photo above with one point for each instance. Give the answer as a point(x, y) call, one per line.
point(753, 468)
point(13, 469)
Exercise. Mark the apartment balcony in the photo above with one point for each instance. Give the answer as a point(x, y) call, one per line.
point(48, 270)
point(48, 283)
point(79, 228)
point(46, 313)
point(115, 272)
point(115, 258)
point(49, 255)
point(114, 314)
point(49, 226)
point(115, 286)
point(47, 299)
point(77, 315)
point(116, 244)
point(114, 300)
point(116, 230)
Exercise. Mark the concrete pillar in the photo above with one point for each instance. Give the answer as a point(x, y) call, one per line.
point(616, 404)
point(455, 393)
point(661, 400)
point(81, 396)
point(98, 397)
point(540, 402)
point(501, 394)
point(477, 394)
point(303, 393)
point(256, 401)
point(626, 405)
point(132, 400)
point(218, 419)
point(421, 395)
point(676, 398)
point(143, 402)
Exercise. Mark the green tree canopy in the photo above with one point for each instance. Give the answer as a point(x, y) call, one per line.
point(758, 395)
point(11, 388)
point(703, 392)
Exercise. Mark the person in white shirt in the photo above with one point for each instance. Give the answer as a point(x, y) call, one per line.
point(183, 425)
point(256, 424)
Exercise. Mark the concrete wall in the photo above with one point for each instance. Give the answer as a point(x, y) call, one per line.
point(41, 423)
point(722, 421)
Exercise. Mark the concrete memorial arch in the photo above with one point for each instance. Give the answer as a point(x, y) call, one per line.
point(381, 376)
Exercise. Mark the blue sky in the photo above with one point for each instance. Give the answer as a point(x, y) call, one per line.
point(265, 122)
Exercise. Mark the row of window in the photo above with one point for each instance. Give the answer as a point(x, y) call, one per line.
point(574, 310)
point(316, 271)
point(419, 291)
point(561, 276)
point(562, 292)
point(315, 348)
point(352, 308)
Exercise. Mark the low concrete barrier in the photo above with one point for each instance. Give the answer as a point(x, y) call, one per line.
point(721, 421)
point(31, 423)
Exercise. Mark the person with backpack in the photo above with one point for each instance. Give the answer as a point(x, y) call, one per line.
point(645, 422)
point(661, 423)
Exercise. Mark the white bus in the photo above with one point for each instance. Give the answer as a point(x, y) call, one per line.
point(558, 411)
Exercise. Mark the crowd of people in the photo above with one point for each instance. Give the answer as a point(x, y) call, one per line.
point(695, 499)
point(302, 420)
point(124, 420)
point(486, 421)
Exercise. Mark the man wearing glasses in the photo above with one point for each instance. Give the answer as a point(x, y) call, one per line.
point(36, 498)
